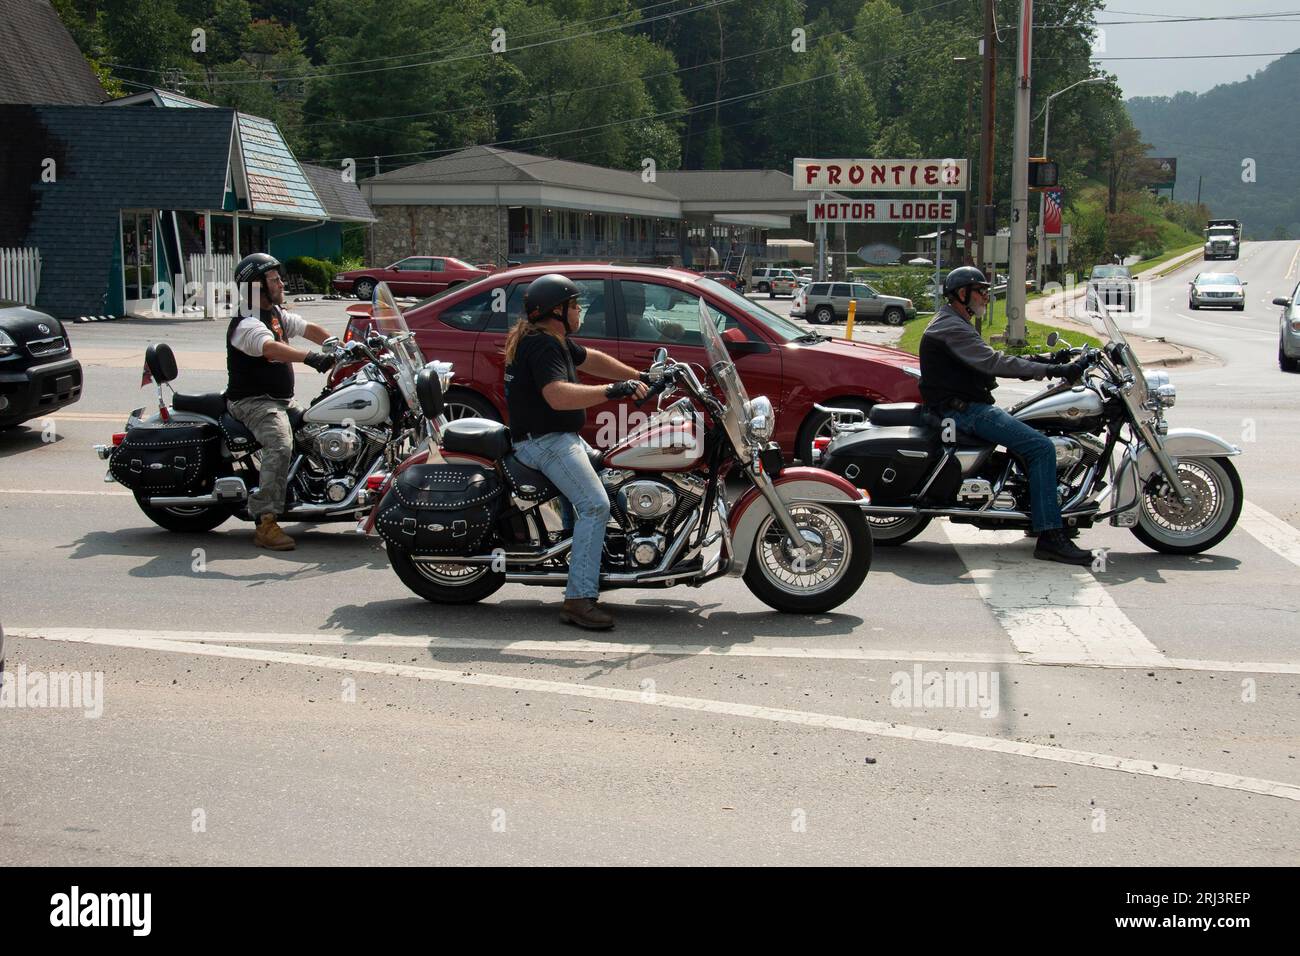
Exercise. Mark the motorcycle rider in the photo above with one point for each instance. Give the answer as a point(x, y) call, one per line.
point(958, 374)
point(259, 361)
point(547, 408)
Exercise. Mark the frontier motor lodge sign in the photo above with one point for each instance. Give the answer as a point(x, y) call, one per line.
point(881, 175)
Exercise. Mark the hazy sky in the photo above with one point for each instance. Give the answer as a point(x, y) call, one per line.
point(1166, 77)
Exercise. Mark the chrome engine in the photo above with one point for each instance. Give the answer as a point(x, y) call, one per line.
point(335, 458)
point(645, 514)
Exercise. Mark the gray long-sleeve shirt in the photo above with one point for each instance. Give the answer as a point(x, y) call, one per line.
point(957, 363)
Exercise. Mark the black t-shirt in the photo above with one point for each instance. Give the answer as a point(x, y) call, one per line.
point(540, 360)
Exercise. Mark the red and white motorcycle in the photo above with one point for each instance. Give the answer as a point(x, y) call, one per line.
point(465, 516)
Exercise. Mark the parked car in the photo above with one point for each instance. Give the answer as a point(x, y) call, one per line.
point(630, 311)
point(414, 275)
point(775, 281)
point(37, 371)
point(826, 302)
point(729, 279)
point(1113, 286)
point(1216, 288)
point(1288, 343)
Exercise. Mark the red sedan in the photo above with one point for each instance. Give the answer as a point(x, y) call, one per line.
point(630, 312)
point(415, 275)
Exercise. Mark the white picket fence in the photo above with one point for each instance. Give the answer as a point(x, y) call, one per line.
point(20, 275)
point(222, 295)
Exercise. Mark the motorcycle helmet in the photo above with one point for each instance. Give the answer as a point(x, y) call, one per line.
point(963, 277)
point(546, 292)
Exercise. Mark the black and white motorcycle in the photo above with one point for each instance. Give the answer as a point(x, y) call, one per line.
point(1175, 488)
point(191, 465)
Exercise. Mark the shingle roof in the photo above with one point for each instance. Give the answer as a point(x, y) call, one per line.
point(104, 161)
point(487, 164)
point(39, 60)
point(277, 186)
point(732, 185)
point(343, 200)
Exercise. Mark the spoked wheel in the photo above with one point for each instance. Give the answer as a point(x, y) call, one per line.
point(461, 404)
point(891, 532)
point(190, 520)
point(814, 581)
point(446, 583)
point(1166, 525)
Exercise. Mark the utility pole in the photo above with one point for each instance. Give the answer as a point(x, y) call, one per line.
point(1020, 184)
point(986, 133)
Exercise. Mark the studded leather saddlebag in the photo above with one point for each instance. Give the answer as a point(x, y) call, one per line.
point(173, 459)
point(439, 509)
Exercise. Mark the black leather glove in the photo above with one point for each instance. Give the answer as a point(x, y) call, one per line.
point(1072, 371)
point(320, 361)
point(621, 389)
point(651, 378)
point(1061, 356)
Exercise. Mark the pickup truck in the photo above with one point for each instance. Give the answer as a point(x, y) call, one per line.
point(1222, 238)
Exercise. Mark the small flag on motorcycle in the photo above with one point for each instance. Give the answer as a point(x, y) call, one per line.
point(145, 377)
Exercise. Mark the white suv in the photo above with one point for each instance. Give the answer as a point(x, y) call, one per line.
point(775, 281)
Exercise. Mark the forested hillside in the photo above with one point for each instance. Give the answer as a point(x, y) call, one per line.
point(1213, 134)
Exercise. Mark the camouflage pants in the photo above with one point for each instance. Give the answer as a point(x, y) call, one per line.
point(268, 419)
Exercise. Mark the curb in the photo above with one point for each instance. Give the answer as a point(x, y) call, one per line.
point(98, 318)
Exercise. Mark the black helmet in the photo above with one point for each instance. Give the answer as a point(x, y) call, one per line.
point(546, 292)
point(252, 267)
point(961, 278)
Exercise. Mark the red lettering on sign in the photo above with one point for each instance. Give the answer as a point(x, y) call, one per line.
point(871, 210)
point(951, 175)
point(877, 174)
point(832, 175)
point(811, 172)
point(897, 171)
point(931, 175)
point(856, 173)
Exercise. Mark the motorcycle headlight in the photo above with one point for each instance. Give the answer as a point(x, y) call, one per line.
point(762, 420)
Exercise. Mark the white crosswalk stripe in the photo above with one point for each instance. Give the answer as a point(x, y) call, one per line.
point(1272, 532)
point(1053, 613)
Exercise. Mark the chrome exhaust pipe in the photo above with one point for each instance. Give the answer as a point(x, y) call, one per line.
point(527, 558)
point(225, 491)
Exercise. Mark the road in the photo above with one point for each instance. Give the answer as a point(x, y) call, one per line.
point(303, 707)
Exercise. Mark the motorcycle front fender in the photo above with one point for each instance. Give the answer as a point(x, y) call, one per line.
point(1140, 463)
point(792, 486)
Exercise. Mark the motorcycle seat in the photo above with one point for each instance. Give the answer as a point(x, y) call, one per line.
point(527, 483)
point(211, 404)
point(910, 414)
point(239, 437)
point(477, 436)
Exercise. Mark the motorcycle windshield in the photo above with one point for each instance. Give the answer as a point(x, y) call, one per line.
point(1106, 325)
point(389, 322)
point(720, 363)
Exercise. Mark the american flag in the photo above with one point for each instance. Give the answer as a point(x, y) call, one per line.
point(1052, 213)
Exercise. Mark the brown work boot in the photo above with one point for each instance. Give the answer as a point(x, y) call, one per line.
point(583, 612)
point(269, 535)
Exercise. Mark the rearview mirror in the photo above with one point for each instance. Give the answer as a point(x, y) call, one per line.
point(661, 357)
point(330, 345)
point(1052, 339)
point(1282, 302)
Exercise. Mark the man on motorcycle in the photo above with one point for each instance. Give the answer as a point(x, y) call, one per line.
point(260, 390)
point(958, 374)
point(547, 408)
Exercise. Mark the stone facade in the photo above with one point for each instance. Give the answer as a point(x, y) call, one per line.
point(465, 232)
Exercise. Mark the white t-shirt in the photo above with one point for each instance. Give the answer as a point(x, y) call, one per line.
point(251, 334)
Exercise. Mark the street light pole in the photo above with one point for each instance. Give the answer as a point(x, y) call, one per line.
point(1042, 197)
point(1016, 327)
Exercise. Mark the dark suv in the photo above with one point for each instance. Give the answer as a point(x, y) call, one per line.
point(37, 371)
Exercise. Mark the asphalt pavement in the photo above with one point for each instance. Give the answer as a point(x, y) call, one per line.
point(304, 707)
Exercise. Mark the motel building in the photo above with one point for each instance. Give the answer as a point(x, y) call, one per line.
point(484, 204)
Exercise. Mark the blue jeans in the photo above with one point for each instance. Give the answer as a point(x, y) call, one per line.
point(562, 457)
point(1033, 448)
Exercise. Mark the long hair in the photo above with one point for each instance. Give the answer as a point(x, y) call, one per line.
point(524, 327)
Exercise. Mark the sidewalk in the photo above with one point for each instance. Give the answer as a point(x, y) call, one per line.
point(1151, 352)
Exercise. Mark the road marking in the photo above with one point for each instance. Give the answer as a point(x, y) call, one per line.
point(91, 417)
point(1271, 531)
point(1053, 613)
point(614, 649)
point(1220, 325)
point(52, 491)
point(875, 728)
point(1291, 268)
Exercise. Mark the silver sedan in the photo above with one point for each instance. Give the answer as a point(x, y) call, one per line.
point(1218, 289)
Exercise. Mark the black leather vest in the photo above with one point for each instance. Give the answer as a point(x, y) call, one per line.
point(253, 375)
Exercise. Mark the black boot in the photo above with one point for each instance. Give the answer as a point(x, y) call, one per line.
point(1055, 545)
